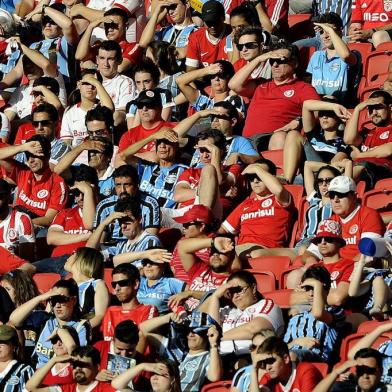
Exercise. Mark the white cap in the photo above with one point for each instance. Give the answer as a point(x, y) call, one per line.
point(342, 184)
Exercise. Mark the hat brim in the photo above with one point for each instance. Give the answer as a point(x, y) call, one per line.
point(146, 101)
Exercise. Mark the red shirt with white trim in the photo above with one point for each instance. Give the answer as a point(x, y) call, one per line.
point(115, 314)
point(362, 222)
point(204, 50)
point(261, 221)
point(276, 105)
point(304, 378)
point(96, 386)
point(70, 221)
point(39, 195)
point(15, 229)
point(24, 133)
point(138, 133)
point(340, 271)
point(372, 13)
point(374, 138)
point(192, 177)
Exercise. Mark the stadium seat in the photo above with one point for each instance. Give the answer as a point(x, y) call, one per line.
point(384, 47)
point(386, 183)
point(361, 187)
point(365, 48)
point(276, 156)
point(266, 281)
point(376, 67)
point(300, 26)
point(322, 367)
point(107, 276)
point(218, 386)
point(274, 264)
point(297, 191)
point(280, 297)
point(284, 274)
point(303, 207)
point(350, 341)
point(371, 325)
point(46, 280)
point(380, 200)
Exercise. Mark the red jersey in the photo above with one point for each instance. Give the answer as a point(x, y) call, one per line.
point(138, 133)
point(192, 176)
point(340, 271)
point(205, 50)
point(374, 138)
point(304, 378)
point(179, 272)
point(131, 51)
point(203, 278)
point(97, 386)
point(372, 13)
point(362, 222)
point(276, 105)
point(70, 222)
point(15, 229)
point(39, 195)
point(64, 376)
point(115, 314)
point(261, 221)
point(24, 133)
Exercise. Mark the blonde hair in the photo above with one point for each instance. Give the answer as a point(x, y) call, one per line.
point(89, 262)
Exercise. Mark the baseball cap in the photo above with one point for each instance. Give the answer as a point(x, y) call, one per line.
point(200, 322)
point(342, 184)
point(149, 97)
point(5, 187)
point(212, 11)
point(329, 228)
point(198, 213)
point(7, 333)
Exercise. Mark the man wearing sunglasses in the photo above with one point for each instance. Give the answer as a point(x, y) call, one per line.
point(278, 101)
point(275, 371)
point(125, 284)
point(371, 145)
point(367, 366)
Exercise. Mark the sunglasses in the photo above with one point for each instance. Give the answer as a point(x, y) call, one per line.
point(247, 45)
point(188, 224)
point(126, 221)
point(86, 84)
point(46, 20)
point(80, 364)
point(121, 283)
point(97, 132)
point(44, 123)
point(148, 105)
point(329, 240)
point(363, 369)
point(36, 94)
point(339, 195)
point(264, 362)
point(112, 25)
point(203, 150)
point(237, 290)
point(278, 61)
point(326, 180)
point(55, 340)
point(212, 23)
point(75, 192)
point(252, 177)
point(59, 299)
point(326, 113)
point(171, 7)
point(308, 288)
point(149, 262)
point(165, 141)
point(379, 106)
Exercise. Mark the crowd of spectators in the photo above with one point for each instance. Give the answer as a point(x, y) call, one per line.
point(154, 155)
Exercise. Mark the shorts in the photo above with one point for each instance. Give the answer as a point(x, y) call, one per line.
point(260, 141)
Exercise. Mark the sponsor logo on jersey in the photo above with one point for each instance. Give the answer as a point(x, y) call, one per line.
point(32, 203)
point(387, 5)
point(42, 194)
point(266, 203)
point(384, 135)
point(289, 93)
point(258, 214)
point(335, 275)
point(353, 229)
point(375, 17)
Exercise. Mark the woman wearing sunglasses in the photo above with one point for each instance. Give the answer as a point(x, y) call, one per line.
point(62, 310)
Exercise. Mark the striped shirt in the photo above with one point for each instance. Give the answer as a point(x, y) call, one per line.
point(204, 102)
point(341, 7)
point(177, 36)
point(150, 214)
point(20, 374)
point(241, 379)
point(179, 112)
point(193, 371)
point(386, 349)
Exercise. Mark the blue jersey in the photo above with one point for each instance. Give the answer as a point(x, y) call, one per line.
point(241, 379)
point(144, 242)
point(179, 112)
point(44, 324)
point(306, 325)
point(160, 181)
point(193, 371)
point(233, 144)
point(20, 374)
point(150, 214)
point(386, 349)
point(334, 76)
point(177, 36)
point(86, 296)
point(106, 182)
point(158, 294)
point(204, 102)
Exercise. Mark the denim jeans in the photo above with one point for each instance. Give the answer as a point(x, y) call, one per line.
point(52, 264)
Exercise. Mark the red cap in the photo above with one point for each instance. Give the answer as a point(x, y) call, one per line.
point(198, 213)
point(329, 228)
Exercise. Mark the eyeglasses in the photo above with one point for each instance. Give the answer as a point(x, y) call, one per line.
point(247, 45)
point(86, 84)
point(325, 180)
point(188, 224)
point(36, 94)
point(339, 195)
point(252, 177)
point(112, 25)
point(149, 262)
point(97, 132)
point(203, 150)
point(171, 7)
point(267, 361)
point(121, 283)
point(148, 105)
point(379, 106)
point(326, 113)
point(46, 20)
point(75, 192)
point(59, 299)
point(165, 141)
point(220, 117)
point(80, 364)
point(237, 290)
point(55, 340)
point(126, 221)
point(308, 288)
point(363, 369)
point(44, 123)
point(278, 61)
point(330, 240)
point(212, 23)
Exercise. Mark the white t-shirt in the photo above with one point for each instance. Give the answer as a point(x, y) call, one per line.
point(73, 125)
point(5, 126)
point(121, 89)
point(231, 318)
